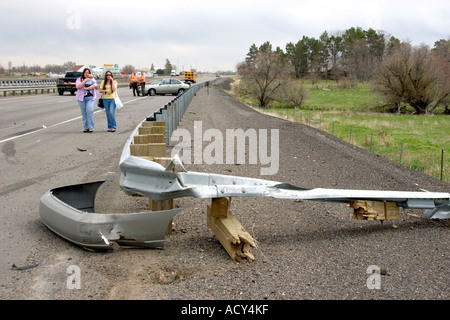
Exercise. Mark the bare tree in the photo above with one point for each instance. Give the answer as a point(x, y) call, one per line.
point(414, 76)
point(68, 65)
point(264, 77)
point(293, 92)
point(128, 69)
point(168, 67)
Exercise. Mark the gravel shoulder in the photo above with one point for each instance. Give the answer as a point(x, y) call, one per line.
point(306, 250)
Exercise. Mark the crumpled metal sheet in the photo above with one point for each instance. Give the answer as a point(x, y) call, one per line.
point(69, 212)
point(440, 212)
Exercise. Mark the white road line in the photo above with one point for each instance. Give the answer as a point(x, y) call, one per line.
point(57, 124)
point(22, 135)
point(43, 128)
point(134, 100)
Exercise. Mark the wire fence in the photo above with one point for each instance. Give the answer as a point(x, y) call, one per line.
point(431, 160)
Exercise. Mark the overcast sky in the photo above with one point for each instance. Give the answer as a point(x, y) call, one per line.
point(208, 35)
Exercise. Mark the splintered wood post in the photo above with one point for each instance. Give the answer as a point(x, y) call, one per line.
point(375, 210)
point(228, 230)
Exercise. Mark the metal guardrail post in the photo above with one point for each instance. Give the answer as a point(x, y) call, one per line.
point(181, 106)
point(173, 117)
point(161, 115)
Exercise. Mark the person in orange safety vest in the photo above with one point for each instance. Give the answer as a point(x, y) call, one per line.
point(134, 84)
point(142, 81)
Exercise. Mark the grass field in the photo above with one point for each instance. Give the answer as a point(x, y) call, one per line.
point(421, 142)
point(328, 95)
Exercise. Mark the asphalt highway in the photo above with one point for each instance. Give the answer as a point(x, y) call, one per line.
point(40, 139)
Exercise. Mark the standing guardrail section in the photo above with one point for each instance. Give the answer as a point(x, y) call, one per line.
point(22, 87)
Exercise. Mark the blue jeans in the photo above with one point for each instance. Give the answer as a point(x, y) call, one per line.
point(110, 110)
point(87, 112)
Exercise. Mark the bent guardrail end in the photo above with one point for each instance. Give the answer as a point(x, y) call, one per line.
point(440, 212)
point(69, 212)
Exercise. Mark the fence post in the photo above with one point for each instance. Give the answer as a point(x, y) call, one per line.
point(371, 139)
point(401, 153)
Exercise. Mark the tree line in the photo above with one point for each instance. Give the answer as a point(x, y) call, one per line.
point(168, 67)
point(404, 74)
point(24, 69)
point(54, 68)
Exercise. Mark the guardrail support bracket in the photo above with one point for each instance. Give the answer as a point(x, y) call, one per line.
point(375, 210)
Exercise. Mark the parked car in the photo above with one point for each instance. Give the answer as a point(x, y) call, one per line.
point(156, 81)
point(167, 86)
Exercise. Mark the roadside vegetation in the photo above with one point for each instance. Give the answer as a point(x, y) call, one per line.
point(421, 142)
point(365, 87)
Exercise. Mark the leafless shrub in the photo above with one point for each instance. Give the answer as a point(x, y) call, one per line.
point(293, 92)
point(414, 76)
point(265, 76)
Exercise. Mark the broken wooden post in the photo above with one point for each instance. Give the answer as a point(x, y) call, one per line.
point(375, 210)
point(233, 237)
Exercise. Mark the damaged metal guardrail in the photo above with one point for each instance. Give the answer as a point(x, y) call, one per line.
point(68, 211)
point(150, 179)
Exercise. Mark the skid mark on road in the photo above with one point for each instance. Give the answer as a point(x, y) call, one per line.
point(28, 182)
point(9, 150)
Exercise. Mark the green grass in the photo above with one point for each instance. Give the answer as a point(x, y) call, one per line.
point(327, 95)
point(350, 115)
